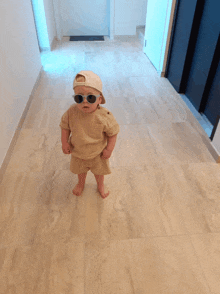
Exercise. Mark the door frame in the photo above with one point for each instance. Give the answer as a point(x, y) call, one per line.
point(59, 31)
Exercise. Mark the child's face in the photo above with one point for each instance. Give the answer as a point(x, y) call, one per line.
point(85, 106)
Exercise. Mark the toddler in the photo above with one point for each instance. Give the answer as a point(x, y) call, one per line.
point(93, 132)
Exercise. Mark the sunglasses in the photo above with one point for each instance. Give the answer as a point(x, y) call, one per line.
point(90, 98)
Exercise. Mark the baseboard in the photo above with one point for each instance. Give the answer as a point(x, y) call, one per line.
point(53, 44)
point(45, 49)
point(18, 130)
point(214, 153)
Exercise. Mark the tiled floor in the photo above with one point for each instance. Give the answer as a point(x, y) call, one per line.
point(158, 231)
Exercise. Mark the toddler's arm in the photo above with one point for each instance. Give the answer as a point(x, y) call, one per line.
point(65, 136)
point(106, 153)
point(64, 139)
point(111, 142)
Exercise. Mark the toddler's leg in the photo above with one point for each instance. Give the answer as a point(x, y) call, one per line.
point(100, 185)
point(80, 186)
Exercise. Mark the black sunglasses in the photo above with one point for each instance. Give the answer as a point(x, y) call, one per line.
point(90, 98)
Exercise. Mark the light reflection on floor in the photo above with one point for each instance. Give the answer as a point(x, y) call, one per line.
point(54, 63)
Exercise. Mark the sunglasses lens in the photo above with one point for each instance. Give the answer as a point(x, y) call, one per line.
point(91, 99)
point(78, 98)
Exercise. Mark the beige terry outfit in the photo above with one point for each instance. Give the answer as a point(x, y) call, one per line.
point(89, 133)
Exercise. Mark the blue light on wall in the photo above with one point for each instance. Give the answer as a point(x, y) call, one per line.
point(56, 63)
point(41, 25)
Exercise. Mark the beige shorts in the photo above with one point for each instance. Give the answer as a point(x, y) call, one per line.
point(97, 165)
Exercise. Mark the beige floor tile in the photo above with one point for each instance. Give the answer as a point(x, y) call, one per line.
point(161, 265)
point(163, 109)
point(207, 249)
point(35, 151)
point(42, 268)
point(131, 149)
point(46, 114)
point(177, 142)
point(40, 207)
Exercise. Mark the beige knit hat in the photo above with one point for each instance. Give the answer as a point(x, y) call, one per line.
point(91, 80)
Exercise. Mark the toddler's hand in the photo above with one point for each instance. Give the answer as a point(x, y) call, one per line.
point(106, 154)
point(66, 148)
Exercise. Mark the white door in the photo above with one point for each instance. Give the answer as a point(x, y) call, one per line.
point(84, 17)
point(156, 30)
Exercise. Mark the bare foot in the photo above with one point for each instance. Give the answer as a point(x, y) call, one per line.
point(78, 190)
point(101, 191)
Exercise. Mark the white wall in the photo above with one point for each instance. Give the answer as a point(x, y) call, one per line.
point(128, 15)
point(20, 65)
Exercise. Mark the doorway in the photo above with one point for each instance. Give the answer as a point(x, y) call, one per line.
point(83, 18)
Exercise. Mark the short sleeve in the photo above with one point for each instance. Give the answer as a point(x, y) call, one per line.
point(111, 127)
point(64, 124)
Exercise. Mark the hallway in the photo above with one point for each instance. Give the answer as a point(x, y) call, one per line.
point(158, 232)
